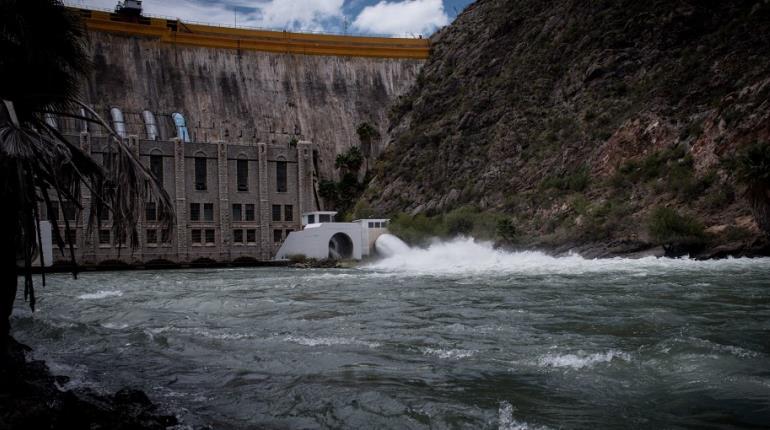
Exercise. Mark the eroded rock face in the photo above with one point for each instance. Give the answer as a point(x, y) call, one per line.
point(517, 95)
point(242, 96)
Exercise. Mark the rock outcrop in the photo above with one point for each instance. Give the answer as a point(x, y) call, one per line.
point(577, 119)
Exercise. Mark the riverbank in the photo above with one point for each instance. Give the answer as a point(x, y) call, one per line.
point(31, 398)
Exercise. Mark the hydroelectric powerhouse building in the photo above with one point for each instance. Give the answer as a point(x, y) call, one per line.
point(239, 126)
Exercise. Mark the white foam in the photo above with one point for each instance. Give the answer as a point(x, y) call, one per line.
point(328, 341)
point(114, 326)
point(581, 359)
point(466, 255)
point(507, 422)
point(388, 245)
point(452, 354)
point(101, 294)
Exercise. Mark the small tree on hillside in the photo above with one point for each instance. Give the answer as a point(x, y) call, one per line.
point(753, 171)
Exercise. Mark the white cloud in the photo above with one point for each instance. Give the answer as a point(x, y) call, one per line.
point(406, 17)
point(315, 15)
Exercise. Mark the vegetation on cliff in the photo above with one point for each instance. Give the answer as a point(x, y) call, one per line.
point(578, 119)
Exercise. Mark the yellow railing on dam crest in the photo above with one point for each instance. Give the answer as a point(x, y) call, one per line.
point(179, 32)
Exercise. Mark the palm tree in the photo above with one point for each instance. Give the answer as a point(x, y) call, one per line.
point(753, 170)
point(43, 59)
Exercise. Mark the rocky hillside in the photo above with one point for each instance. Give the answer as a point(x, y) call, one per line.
point(606, 126)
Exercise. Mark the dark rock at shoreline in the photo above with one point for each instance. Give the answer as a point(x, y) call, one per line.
point(30, 398)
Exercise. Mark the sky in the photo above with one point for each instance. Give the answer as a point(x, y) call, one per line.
point(386, 17)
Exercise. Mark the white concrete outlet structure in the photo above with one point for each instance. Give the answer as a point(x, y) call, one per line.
point(330, 239)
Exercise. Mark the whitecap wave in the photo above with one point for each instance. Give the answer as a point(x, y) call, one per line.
point(507, 422)
point(581, 359)
point(467, 255)
point(452, 354)
point(101, 294)
point(328, 341)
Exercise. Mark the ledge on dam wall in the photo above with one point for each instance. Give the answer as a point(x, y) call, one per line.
point(245, 95)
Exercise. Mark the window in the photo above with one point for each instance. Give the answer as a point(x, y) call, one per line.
point(53, 212)
point(251, 236)
point(70, 237)
point(280, 176)
point(311, 219)
point(150, 125)
point(103, 213)
point(104, 237)
point(152, 237)
point(371, 225)
point(276, 212)
point(208, 211)
point(237, 212)
point(181, 127)
point(242, 174)
point(200, 173)
point(150, 211)
point(118, 123)
point(277, 236)
point(237, 236)
point(165, 236)
point(195, 236)
point(109, 160)
point(50, 119)
point(195, 211)
point(210, 236)
point(249, 212)
point(324, 218)
point(156, 166)
point(69, 210)
point(288, 213)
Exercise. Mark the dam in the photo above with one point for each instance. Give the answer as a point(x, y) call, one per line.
point(239, 125)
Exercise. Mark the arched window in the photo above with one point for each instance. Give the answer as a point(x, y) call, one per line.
point(83, 122)
point(181, 127)
point(150, 125)
point(50, 119)
point(118, 122)
point(280, 176)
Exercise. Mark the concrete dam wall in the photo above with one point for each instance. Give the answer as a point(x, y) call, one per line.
point(245, 95)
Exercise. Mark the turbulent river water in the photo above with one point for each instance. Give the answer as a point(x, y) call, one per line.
point(455, 336)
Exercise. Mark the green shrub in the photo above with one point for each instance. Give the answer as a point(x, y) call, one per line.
point(667, 227)
point(576, 181)
point(460, 221)
point(506, 231)
point(752, 167)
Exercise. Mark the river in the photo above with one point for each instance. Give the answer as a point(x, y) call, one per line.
point(455, 336)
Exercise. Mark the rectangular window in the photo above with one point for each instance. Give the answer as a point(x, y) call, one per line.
point(288, 213)
point(152, 237)
point(280, 176)
point(104, 237)
point(324, 218)
point(242, 174)
point(109, 160)
point(208, 211)
point(237, 236)
point(371, 225)
point(237, 212)
point(69, 210)
point(209, 235)
point(276, 212)
point(249, 212)
point(251, 236)
point(195, 236)
point(53, 212)
point(195, 211)
point(277, 236)
point(102, 212)
point(165, 236)
point(70, 237)
point(150, 211)
point(200, 173)
point(311, 219)
point(156, 167)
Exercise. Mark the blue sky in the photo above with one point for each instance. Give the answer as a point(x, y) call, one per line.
point(393, 17)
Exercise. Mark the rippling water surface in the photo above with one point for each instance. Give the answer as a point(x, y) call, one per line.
point(457, 336)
